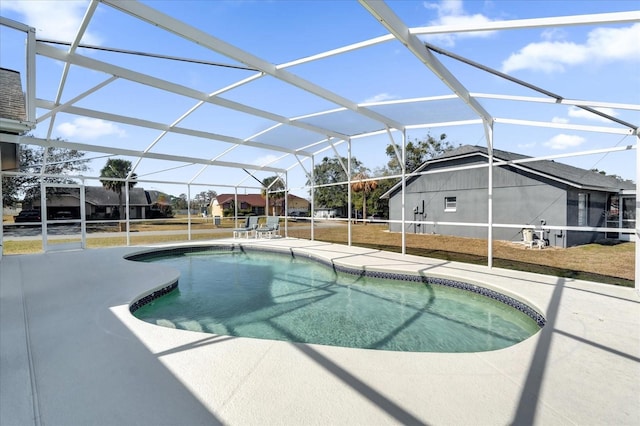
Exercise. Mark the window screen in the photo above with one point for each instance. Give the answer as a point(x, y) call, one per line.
point(450, 204)
point(583, 209)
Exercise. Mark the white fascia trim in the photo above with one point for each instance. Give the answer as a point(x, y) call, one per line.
point(16, 126)
point(517, 164)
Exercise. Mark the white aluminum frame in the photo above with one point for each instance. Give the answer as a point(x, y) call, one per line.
point(328, 138)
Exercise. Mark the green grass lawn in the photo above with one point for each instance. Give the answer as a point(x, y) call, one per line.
point(607, 263)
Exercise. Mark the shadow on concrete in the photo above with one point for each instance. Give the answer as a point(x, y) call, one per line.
point(86, 366)
point(381, 401)
point(530, 397)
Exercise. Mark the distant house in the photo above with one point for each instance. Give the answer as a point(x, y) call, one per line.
point(103, 204)
point(256, 204)
point(297, 206)
point(531, 193)
point(326, 212)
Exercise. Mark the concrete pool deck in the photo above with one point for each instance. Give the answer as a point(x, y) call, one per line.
point(72, 354)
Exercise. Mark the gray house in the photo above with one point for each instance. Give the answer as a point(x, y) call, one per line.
point(103, 204)
point(531, 193)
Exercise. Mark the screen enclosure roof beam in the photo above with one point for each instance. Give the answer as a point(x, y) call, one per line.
point(183, 30)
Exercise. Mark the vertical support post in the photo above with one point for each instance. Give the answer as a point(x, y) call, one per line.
point(83, 216)
point(286, 203)
point(349, 193)
point(488, 128)
point(31, 76)
point(313, 194)
point(189, 212)
point(235, 204)
point(1, 210)
point(637, 236)
point(43, 213)
point(403, 170)
point(266, 199)
point(126, 209)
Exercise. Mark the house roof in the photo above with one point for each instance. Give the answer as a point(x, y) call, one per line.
point(12, 106)
point(97, 195)
point(252, 199)
point(256, 200)
point(573, 176)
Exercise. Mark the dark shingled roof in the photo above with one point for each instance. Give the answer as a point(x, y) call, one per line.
point(256, 200)
point(575, 175)
point(99, 196)
point(12, 102)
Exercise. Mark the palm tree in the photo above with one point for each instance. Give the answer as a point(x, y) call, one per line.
point(362, 184)
point(120, 169)
point(276, 196)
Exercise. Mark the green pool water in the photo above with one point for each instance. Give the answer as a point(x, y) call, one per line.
point(274, 296)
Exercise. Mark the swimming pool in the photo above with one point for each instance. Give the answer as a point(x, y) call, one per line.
point(286, 297)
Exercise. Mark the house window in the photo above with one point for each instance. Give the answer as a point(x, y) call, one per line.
point(450, 204)
point(583, 209)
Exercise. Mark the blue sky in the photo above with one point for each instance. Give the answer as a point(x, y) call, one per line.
point(596, 63)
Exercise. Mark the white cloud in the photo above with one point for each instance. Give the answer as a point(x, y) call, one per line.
point(84, 128)
point(527, 145)
point(451, 12)
point(553, 34)
point(446, 7)
point(615, 43)
point(380, 97)
point(57, 20)
point(546, 56)
point(563, 141)
point(576, 112)
point(266, 160)
point(560, 120)
point(602, 45)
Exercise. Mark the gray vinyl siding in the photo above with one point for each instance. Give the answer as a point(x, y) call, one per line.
point(518, 199)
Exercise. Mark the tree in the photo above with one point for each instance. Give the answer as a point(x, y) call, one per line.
point(276, 191)
point(616, 177)
point(330, 171)
point(204, 198)
point(120, 169)
point(59, 161)
point(179, 202)
point(417, 152)
point(162, 206)
point(364, 186)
